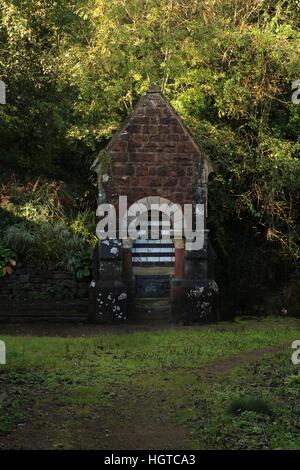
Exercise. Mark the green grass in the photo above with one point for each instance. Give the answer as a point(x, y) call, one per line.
point(269, 416)
point(90, 378)
point(253, 404)
point(174, 348)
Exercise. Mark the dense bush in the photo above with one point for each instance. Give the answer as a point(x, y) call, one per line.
point(43, 224)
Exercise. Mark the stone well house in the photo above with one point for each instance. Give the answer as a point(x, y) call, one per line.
point(153, 158)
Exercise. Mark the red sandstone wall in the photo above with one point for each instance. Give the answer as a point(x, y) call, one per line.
point(153, 155)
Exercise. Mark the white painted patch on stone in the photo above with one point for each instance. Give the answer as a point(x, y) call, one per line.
point(122, 296)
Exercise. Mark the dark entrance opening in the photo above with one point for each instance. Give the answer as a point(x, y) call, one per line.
point(153, 260)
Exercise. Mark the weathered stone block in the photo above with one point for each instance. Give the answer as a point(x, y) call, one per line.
point(110, 270)
point(194, 301)
point(110, 249)
point(108, 301)
point(196, 269)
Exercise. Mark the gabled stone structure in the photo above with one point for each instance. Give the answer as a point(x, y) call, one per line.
point(153, 156)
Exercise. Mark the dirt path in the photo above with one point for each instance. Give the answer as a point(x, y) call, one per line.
point(138, 420)
point(224, 366)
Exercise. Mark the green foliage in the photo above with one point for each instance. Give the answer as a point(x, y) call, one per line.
point(44, 241)
point(20, 238)
point(37, 200)
point(7, 260)
point(80, 263)
point(293, 380)
point(83, 225)
point(44, 225)
point(34, 121)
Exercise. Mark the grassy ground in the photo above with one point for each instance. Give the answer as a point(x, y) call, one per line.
point(224, 386)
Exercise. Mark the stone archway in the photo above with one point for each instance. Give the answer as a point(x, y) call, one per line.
point(154, 261)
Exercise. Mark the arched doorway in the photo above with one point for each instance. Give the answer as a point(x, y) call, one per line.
point(153, 256)
point(153, 259)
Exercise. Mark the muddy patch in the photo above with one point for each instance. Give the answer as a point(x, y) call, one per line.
point(139, 423)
